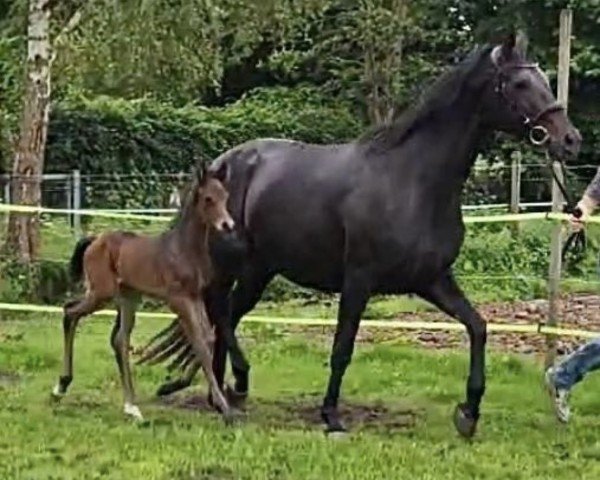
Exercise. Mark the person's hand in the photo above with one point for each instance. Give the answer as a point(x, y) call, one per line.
point(585, 207)
point(577, 220)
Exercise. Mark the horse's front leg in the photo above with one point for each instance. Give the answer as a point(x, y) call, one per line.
point(448, 297)
point(353, 300)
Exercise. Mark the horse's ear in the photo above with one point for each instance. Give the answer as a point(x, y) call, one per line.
point(200, 173)
point(521, 43)
point(220, 173)
point(503, 53)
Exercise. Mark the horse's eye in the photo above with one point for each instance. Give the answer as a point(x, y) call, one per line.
point(521, 84)
point(208, 200)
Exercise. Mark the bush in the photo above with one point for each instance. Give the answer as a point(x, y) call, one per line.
point(123, 140)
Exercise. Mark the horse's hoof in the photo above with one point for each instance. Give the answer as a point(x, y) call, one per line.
point(133, 412)
point(464, 421)
point(56, 394)
point(333, 425)
point(229, 417)
point(236, 399)
point(337, 434)
point(213, 404)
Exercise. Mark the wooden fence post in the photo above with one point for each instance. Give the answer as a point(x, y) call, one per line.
point(564, 54)
point(515, 187)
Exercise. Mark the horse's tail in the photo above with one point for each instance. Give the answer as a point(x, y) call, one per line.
point(76, 263)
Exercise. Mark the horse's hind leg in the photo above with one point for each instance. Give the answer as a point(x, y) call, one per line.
point(74, 310)
point(120, 337)
point(246, 294)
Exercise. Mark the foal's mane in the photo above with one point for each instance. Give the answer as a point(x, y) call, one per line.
point(187, 205)
point(441, 95)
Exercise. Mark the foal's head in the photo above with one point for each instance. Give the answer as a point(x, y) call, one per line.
point(210, 200)
point(520, 100)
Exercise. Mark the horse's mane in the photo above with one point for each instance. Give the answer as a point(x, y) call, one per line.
point(441, 95)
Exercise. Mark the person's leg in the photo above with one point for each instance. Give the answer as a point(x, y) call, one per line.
point(575, 366)
point(561, 378)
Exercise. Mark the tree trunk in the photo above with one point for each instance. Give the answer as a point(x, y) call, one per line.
point(383, 62)
point(23, 236)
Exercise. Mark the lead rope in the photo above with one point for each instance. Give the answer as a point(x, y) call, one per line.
point(576, 240)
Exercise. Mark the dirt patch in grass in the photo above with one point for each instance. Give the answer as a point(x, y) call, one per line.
point(8, 378)
point(304, 412)
point(354, 414)
point(576, 311)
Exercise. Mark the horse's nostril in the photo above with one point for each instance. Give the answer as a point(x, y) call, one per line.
point(569, 140)
point(227, 226)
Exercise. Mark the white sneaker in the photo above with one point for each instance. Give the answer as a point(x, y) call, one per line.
point(560, 397)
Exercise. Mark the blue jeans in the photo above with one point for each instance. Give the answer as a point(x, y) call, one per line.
point(575, 366)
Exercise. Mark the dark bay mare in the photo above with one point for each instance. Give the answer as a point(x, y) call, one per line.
point(381, 215)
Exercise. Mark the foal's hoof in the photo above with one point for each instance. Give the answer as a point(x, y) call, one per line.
point(236, 399)
point(56, 394)
point(133, 411)
point(231, 417)
point(337, 434)
point(60, 389)
point(464, 421)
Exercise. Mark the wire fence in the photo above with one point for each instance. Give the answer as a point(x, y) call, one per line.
point(493, 257)
point(490, 186)
point(495, 188)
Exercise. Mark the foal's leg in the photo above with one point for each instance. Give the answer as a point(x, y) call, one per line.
point(354, 298)
point(226, 310)
point(449, 298)
point(74, 310)
point(120, 343)
point(191, 313)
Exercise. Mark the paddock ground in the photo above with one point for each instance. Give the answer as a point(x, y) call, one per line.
point(398, 398)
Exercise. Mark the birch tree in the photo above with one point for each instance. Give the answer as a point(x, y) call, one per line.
point(23, 237)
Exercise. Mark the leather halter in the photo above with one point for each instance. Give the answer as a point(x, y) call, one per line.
point(538, 134)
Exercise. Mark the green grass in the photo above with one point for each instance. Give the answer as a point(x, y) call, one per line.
point(86, 435)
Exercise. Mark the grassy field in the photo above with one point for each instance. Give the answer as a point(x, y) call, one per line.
point(398, 397)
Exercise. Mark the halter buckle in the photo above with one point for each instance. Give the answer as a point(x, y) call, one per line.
point(538, 135)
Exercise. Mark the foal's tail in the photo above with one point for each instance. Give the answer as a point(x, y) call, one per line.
point(76, 263)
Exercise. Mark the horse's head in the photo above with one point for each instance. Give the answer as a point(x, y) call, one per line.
point(519, 100)
point(211, 200)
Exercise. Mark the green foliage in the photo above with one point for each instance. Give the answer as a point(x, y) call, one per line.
point(11, 52)
point(121, 139)
point(496, 263)
point(44, 281)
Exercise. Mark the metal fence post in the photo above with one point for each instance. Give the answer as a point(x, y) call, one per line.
point(515, 186)
point(77, 202)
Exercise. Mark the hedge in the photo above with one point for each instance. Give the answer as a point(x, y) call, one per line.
point(116, 140)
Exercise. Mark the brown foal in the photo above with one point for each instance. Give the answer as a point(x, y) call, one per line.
point(174, 267)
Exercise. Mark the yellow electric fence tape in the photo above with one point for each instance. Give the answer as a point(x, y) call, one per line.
point(322, 322)
point(492, 327)
point(69, 211)
point(512, 217)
